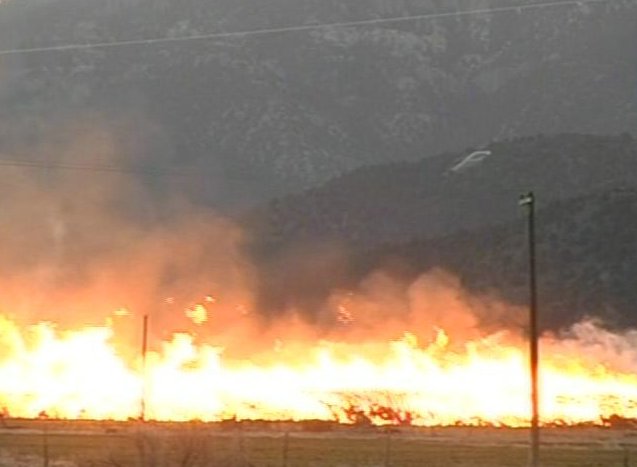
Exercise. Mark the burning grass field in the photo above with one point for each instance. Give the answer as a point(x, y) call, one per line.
point(26, 443)
point(373, 387)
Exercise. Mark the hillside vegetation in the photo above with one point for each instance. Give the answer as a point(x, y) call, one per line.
point(259, 116)
point(416, 217)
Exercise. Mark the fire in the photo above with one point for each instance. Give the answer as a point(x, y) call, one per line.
point(197, 313)
point(83, 373)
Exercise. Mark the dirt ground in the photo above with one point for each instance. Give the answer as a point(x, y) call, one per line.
point(52, 443)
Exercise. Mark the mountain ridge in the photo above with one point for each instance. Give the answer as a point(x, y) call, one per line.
point(266, 116)
point(377, 218)
point(428, 199)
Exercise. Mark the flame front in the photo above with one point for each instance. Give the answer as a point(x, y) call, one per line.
point(80, 374)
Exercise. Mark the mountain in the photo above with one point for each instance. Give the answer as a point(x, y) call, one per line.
point(253, 117)
point(459, 212)
point(440, 196)
point(585, 259)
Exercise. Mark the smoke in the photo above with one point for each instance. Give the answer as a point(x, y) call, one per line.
point(78, 244)
point(81, 247)
point(84, 249)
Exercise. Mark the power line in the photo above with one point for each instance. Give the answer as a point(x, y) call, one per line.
point(32, 164)
point(302, 28)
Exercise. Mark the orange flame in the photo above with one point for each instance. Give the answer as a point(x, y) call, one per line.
point(80, 374)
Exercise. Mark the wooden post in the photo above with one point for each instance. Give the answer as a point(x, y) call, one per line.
point(528, 200)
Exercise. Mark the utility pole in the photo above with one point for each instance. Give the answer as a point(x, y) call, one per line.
point(142, 413)
point(528, 200)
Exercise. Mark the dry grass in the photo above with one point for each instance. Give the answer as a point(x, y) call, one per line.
point(90, 444)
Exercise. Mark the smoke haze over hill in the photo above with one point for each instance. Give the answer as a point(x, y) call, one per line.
point(257, 117)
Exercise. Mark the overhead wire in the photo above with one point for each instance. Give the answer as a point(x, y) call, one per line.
point(299, 28)
point(248, 33)
point(142, 170)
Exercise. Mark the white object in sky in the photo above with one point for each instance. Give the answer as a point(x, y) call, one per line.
point(471, 160)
